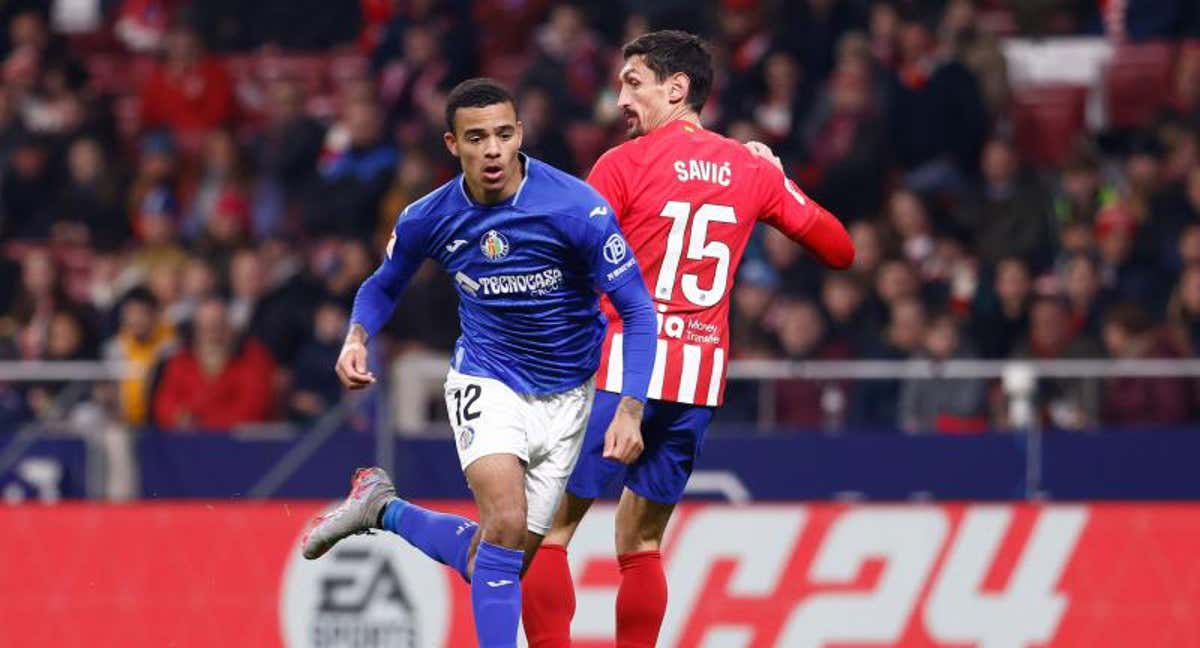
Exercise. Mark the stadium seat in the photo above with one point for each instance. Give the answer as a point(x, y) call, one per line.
point(1047, 119)
point(1137, 83)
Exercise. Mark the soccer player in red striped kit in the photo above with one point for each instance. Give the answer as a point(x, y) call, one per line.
point(687, 200)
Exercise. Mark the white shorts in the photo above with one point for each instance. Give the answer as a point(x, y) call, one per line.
point(545, 432)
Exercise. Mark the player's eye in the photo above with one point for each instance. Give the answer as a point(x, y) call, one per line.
point(474, 139)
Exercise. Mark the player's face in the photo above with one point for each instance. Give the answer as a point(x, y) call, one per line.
point(645, 102)
point(486, 141)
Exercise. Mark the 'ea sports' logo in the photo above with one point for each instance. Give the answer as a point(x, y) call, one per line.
point(615, 249)
point(493, 245)
point(369, 591)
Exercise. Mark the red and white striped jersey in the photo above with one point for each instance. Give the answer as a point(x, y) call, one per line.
point(687, 200)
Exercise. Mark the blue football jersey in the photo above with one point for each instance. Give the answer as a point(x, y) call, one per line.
point(527, 270)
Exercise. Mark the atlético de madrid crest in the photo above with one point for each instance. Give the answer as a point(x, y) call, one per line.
point(493, 245)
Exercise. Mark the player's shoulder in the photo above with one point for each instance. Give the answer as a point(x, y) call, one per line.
point(553, 190)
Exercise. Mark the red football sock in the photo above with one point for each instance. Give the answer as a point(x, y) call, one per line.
point(641, 599)
point(548, 599)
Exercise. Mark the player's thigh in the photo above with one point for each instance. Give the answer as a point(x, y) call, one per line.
point(487, 418)
point(592, 472)
point(498, 482)
point(673, 436)
point(565, 417)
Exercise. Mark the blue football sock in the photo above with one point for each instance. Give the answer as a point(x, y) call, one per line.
point(496, 595)
point(445, 538)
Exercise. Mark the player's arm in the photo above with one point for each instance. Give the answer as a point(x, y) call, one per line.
point(788, 210)
point(374, 303)
point(616, 272)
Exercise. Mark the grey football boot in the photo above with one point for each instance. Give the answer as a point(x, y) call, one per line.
point(370, 490)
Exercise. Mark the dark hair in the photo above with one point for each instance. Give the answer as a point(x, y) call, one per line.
point(1130, 317)
point(476, 93)
point(671, 51)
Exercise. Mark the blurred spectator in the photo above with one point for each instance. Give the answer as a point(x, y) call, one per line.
point(222, 172)
point(779, 112)
point(68, 337)
point(451, 22)
point(141, 340)
point(39, 296)
point(941, 404)
point(1008, 215)
point(1128, 277)
point(938, 118)
point(999, 318)
point(1085, 297)
point(413, 179)
point(28, 188)
point(843, 298)
point(812, 29)
point(142, 24)
point(189, 91)
point(1130, 334)
point(868, 247)
point(92, 197)
point(846, 142)
point(286, 154)
point(217, 381)
point(1081, 191)
point(408, 83)
point(801, 332)
point(315, 386)
point(568, 62)
point(1183, 313)
point(753, 293)
point(876, 403)
point(1063, 402)
point(345, 201)
point(542, 132)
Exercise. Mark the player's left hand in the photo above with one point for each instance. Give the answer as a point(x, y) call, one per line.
point(623, 439)
point(763, 151)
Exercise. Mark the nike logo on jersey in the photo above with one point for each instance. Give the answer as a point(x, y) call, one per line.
point(598, 211)
point(499, 583)
point(453, 247)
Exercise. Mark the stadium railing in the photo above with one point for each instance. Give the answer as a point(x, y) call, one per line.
point(403, 409)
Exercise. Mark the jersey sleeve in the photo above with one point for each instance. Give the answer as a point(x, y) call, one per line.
point(376, 297)
point(607, 179)
point(786, 208)
point(606, 252)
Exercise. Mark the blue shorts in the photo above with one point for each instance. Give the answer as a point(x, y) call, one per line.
point(672, 433)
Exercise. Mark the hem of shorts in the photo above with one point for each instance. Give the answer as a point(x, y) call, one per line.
point(655, 499)
point(524, 459)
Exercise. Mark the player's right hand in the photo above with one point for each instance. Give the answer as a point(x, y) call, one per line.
point(623, 439)
point(351, 366)
point(763, 151)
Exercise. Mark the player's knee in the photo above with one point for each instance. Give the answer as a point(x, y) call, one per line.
point(506, 528)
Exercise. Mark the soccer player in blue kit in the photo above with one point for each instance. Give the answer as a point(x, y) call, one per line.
point(528, 247)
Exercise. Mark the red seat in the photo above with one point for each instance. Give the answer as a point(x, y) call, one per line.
point(1047, 120)
point(1137, 83)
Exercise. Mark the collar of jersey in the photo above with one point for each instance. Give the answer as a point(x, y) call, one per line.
point(507, 202)
point(678, 124)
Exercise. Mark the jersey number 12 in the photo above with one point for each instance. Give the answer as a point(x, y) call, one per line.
point(697, 249)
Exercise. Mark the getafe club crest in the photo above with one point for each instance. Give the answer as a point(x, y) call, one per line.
point(493, 245)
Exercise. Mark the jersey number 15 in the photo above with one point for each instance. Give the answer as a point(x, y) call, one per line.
point(697, 249)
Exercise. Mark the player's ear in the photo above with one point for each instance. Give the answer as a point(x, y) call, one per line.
point(520, 133)
point(678, 86)
point(451, 143)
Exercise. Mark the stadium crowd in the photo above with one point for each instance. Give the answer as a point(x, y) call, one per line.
point(198, 188)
